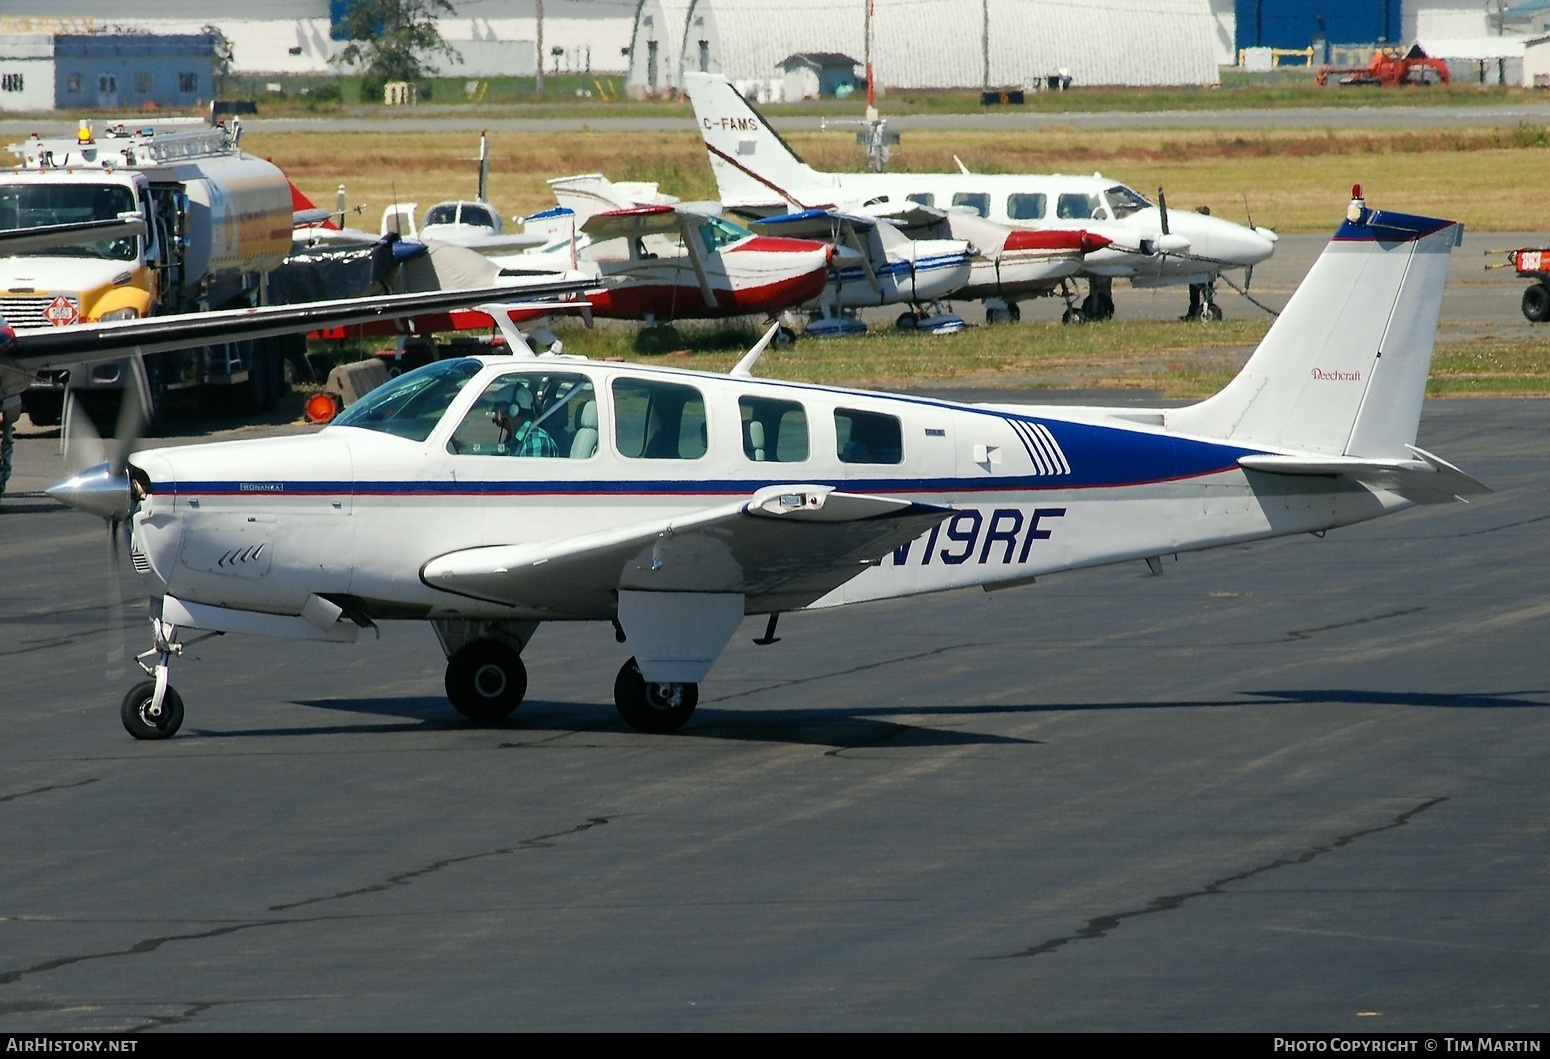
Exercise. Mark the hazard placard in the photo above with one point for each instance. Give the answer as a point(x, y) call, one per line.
point(61, 311)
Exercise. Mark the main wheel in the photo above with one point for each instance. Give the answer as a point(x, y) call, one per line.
point(143, 722)
point(485, 680)
point(907, 322)
point(1212, 313)
point(998, 316)
point(1073, 315)
point(648, 707)
point(784, 337)
point(1536, 303)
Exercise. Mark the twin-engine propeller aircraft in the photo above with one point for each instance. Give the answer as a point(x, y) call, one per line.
point(488, 495)
point(757, 174)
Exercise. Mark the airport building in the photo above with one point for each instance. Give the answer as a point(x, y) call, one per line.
point(936, 43)
point(45, 71)
point(493, 37)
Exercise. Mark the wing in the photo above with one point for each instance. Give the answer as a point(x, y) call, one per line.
point(1427, 479)
point(29, 349)
point(783, 548)
point(635, 221)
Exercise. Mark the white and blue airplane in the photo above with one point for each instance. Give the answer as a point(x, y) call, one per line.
point(489, 495)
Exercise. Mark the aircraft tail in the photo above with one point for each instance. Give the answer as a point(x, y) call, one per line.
point(756, 171)
point(1343, 370)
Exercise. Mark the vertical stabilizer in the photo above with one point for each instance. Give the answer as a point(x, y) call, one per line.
point(756, 171)
point(1343, 370)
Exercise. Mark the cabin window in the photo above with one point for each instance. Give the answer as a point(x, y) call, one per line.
point(659, 420)
point(1076, 206)
point(977, 201)
point(773, 431)
point(1123, 202)
point(924, 198)
point(477, 215)
point(867, 437)
point(535, 414)
point(442, 213)
point(411, 405)
point(717, 233)
point(1029, 206)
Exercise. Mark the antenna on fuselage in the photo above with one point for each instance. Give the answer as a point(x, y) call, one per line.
point(744, 368)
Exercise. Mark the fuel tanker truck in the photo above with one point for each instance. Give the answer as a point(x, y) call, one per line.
point(209, 224)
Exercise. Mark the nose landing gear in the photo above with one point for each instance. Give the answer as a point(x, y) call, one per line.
point(153, 709)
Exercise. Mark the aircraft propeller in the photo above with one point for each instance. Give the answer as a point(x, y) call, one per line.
point(100, 484)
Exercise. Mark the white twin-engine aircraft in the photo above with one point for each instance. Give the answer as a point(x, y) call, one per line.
point(758, 174)
point(488, 495)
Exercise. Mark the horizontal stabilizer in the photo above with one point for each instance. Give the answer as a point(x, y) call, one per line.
point(781, 548)
point(1426, 479)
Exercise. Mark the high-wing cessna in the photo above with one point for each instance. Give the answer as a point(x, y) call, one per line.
point(488, 495)
point(758, 174)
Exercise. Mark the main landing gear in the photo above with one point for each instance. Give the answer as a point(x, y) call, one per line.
point(486, 680)
point(1202, 303)
point(648, 707)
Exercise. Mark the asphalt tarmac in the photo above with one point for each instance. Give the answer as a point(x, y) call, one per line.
point(1297, 785)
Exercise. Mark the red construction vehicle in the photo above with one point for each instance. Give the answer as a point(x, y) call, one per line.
point(1389, 69)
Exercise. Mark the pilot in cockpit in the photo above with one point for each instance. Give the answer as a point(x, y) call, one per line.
point(520, 434)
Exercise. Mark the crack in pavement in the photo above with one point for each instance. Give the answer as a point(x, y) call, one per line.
point(147, 945)
point(1296, 635)
point(141, 947)
point(840, 672)
point(1100, 926)
point(405, 878)
point(44, 790)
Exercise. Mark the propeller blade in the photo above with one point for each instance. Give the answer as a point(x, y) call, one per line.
point(80, 443)
point(1162, 210)
point(1248, 278)
point(1247, 213)
point(133, 414)
point(114, 669)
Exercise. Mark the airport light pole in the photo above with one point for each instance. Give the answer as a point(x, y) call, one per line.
point(540, 86)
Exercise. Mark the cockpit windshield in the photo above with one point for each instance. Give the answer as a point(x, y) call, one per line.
point(39, 205)
point(717, 232)
point(411, 405)
point(1123, 202)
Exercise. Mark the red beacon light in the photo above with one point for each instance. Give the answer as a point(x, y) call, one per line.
point(1353, 212)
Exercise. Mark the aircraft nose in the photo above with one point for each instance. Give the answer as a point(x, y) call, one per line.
point(98, 491)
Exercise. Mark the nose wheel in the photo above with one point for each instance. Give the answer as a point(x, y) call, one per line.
point(651, 707)
point(486, 680)
point(146, 718)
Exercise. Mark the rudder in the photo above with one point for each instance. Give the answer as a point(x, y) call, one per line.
point(1343, 369)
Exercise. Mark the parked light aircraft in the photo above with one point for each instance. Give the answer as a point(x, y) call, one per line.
point(757, 174)
point(873, 263)
point(488, 495)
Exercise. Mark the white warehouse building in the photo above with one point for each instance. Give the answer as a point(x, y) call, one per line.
point(493, 37)
point(937, 43)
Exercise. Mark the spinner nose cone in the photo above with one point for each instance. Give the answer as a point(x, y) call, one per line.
point(98, 491)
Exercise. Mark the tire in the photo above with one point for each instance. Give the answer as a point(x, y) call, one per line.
point(907, 322)
point(997, 317)
point(1212, 313)
point(136, 717)
point(1536, 303)
point(660, 339)
point(652, 708)
point(485, 680)
point(1015, 311)
point(7, 450)
point(784, 337)
point(1073, 315)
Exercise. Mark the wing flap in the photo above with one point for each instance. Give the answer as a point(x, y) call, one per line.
point(1427, 479)
point(791, 543)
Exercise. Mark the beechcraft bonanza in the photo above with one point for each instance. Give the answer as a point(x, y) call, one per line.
point(757, 174)
point(488, 495)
